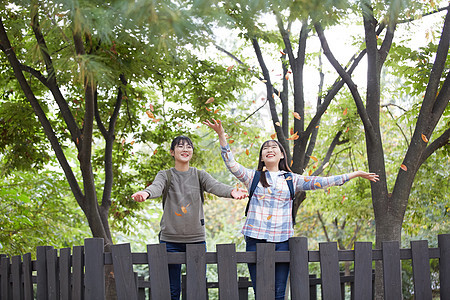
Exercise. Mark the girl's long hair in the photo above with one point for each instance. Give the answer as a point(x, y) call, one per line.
point(282, 164)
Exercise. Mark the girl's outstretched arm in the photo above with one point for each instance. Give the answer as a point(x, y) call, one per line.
point(369, 176)
point(216, 125)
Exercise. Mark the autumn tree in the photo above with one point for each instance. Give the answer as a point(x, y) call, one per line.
point(88, 70)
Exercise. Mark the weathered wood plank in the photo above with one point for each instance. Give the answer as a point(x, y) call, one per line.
point(392, 270)
point(41, 266)
point(363, 270)
point(444, 265)
point(196, 268)
point(64, 273)
point(243, 284)
point(298, 247)
point(123, 272)
point(16, 274)
point(265, 271)
point(158, 271)
point(5, 269)
point(227, 271)
point(52, 271)
point(78, 273)
point(27, 277)
point(329, 267)
point(421, 270)
point(94, 277)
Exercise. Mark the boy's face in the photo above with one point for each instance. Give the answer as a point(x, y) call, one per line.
point(182, 152)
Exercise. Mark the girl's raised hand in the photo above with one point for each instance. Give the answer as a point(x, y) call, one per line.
point(215, 125)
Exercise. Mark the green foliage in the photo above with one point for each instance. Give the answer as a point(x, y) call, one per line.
point(37, 209)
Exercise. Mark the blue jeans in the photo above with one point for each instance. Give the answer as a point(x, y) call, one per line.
point(281, 269)
point(175, 269)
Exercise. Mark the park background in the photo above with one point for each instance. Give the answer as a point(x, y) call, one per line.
point(92, 93)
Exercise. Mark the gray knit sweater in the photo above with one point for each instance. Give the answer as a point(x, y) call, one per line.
point(183, 217)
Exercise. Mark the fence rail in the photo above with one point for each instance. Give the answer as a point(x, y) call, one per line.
point(79, 273)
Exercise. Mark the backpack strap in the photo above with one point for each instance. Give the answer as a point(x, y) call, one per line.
point(252, 189)
point(166, 187)
point(169, 180)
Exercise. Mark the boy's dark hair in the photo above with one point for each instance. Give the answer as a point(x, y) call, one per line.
point(181, 140)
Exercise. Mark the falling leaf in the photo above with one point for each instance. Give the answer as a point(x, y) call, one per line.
point(78, 141)
point(277, 123)
point(257, 137)
point(317, 184)
point(264, 169)
point(282, 53)
point(262, 197)
point(296, 115)
point(230, 141)
point(269, 190)
point(245, 132)
point(123, 142)
point(345, 112)
point(216, 111)
point(310, 172)
point(230, 68)
point(156, 120)
point(247, 152)
point(238, 185)
point(250, 225)
point(404, 168)
point(151, 107)
point(132, 142)
point(273, 96)
point(264, 80)
point(178, 214)
point(210, 100)
point(347, 130)
point(291, 131)
point(291, 163)
point(314, 158)
point(289, 178)
point(343, 198)
point(183, 209)
point(154, 152)
point(307, 179)
point(293, 137)
point(207, 109)
point(317, 126)
point(150, 114)
point(328, 191)
point(424, 138)
point(286, 77)
point(273, 136)
point(269, 217)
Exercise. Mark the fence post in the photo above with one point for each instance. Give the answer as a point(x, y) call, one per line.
point(41, 266)
point(421, 270)
point(126, 286)
point(78, 273)
point(5, 267)
point(329, 267)
point(94, 279)
point(158, 271)
point(64, 273)
point(196, 271)
point(444, 265)
point(52, 271)
point(265, 271)
point(243, 284)
point(363, 270)
point(27, 277)
point(392, 279)
point(16, 274)
point(227, 271)
point(298, 247)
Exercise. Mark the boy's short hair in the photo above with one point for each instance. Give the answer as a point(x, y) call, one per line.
point(181, 140)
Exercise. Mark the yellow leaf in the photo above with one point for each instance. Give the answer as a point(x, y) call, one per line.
point(286, 77)
point(150, 114)
point(207, 109)
point(282, 53)
point(404, 168)
point(296, 115)
point(269, 217)
point(277, 123)
point(262, 197)
point(230, 141)
point(307, 179)
point(289, 178)
point(269, 191)
point(178, 214)
point(210, 100)
point(424, 138)
point(264, 80)
point(345, 112)
point(273, 136)
point(310, 172)
point(183, 209)
point(317, 184)
point(247, 152)
point(132, 142)
point(216, 111)
point(264, 169)
point(230, 68)
point(314, 158)
point(291, 162)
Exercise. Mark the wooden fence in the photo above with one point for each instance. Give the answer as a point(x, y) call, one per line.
point(79, 273)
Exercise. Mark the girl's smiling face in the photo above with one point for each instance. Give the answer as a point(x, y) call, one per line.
point(271, 153)
point(182, 152)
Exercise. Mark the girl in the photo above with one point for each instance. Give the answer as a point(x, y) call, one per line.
point(269, 217)
point(183, 219)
